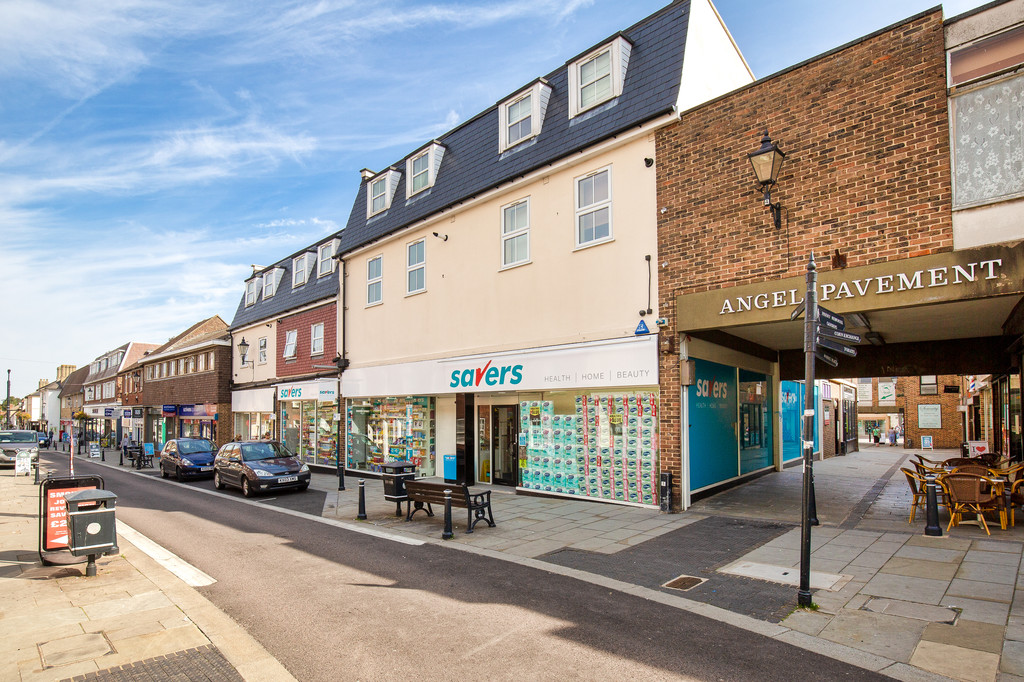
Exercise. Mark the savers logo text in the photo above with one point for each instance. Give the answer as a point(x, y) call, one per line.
point(491, 376)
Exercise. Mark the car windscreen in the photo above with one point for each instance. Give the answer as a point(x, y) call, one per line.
point(18, 436)
point(252, 452)
point(189, 447)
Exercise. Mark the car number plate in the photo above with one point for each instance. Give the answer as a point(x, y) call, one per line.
point(287, 479)
point(206, 468)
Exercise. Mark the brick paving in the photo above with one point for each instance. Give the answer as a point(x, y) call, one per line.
point(201, 664)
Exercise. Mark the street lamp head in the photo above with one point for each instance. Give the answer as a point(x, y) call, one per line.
point(243, 349)
point(767, 163)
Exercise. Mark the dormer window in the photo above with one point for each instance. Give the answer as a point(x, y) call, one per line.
point(302, 266)
point(597, 77)
point(521, 117)
point(381, 191)
point(325, 257)
point(252, 288)
point(421, 169)
point(271, 280)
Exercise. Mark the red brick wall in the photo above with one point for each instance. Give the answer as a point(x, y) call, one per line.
point(199, 387)
point(908, 396)
point(867, 172)
point(303, 361)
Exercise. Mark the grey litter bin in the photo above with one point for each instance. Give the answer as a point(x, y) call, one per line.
point(91, 526)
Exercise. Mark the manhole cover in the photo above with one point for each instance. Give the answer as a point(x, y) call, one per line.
point(684, 582)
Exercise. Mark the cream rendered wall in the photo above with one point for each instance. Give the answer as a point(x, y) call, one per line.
point(562, 295)
point(257, 371)
point(712, 63)
point(991, 224)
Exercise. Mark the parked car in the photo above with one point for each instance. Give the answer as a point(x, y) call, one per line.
point(186, 457)
point(13, 441)
point(258, 466)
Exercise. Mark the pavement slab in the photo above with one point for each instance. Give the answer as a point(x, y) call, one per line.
point(967, 634)
point(922, 590)
point(956, 662)
point(906, 609)
point(888, 636)
point(980, 590)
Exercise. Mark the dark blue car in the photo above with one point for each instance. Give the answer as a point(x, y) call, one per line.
point(187, 458)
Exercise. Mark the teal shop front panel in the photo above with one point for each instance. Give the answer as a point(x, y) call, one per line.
point(792, 410)
point(712, 411)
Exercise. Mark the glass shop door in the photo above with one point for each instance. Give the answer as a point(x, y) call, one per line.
point(505, 444)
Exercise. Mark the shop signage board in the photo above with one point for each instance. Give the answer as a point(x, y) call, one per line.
point(631, 362)
point(323, 391)
point(929, 416)
point(108, 411)
point(886, 392)
point(926, 442)
point(53, 535)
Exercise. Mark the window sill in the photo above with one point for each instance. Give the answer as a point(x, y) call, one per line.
point(374, 305)
point(415, 293)
point(581, 247)
point(513, 266)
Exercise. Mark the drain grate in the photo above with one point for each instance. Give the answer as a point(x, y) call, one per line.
point(684, 583)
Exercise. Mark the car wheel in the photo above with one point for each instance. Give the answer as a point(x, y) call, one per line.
point(163, 471)
point(178, 475)
point(247, 488)
point(217, 482)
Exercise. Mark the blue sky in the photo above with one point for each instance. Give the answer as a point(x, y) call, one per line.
point(152, 150)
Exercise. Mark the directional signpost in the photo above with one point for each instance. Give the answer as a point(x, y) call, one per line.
point(824, 331)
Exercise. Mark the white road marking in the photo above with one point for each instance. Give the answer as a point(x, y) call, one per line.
point(172, 562)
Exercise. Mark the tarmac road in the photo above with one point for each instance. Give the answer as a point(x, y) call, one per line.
point(332, 604)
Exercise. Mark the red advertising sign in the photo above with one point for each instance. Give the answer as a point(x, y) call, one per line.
point(53, 530)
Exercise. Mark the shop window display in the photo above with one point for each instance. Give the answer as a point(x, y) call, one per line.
point(606, 448)
point(308, 430)
point(390, 429)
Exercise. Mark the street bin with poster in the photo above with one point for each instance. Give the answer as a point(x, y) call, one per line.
point(91, 525)
point(395, 475)
point(53, 515)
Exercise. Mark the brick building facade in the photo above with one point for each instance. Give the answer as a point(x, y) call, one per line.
point(866, 180)
point(315, 341)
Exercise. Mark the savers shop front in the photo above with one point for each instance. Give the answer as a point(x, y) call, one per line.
point(308, 417)
point(575, 420)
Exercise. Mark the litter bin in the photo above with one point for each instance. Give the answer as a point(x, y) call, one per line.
point(451, 468)
point(395, 474)
point(91, 525)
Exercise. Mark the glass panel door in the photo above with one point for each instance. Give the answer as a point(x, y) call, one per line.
point(505, 444)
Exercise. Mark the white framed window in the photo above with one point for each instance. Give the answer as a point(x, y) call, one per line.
point(594, 208)
point(522, 116)
point(291, 341)
point(415, 275)
point(929, 384)
point(325, 258)
point(375, 280)
point(316, 339)
point(299, 271)
point(252, 288)
point(89, 393)
point(421, 169)
point(271, 280)
point(515, 233)
point(149, 372)
point(202, 362)
point(190, 365)
point(380, 191)
point(261, 354)
point(209, 362)
point(598, 76)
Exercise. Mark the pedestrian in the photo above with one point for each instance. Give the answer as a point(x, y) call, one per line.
point(892, 437)
point(125, 442)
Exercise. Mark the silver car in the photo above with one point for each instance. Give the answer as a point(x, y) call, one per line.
point(14, 441)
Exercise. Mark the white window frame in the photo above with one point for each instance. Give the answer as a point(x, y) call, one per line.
point(316, 333)
point(506, 235)
point(540, 93)
point(325, 255)
point(379, 279)
point(433, 153)
point(581, 211)
point(618, 52)
point(390, 179)
point(412, 267)
point(261, 352)
point(251, 291)
point(271, 280)
point(201, 362)
point(299, 266)
point(291, 340)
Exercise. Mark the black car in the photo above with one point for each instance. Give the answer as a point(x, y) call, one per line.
point(257, 466)
point(187, 457)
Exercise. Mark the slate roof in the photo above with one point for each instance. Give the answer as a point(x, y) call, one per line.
point(73, 384)
point(204, 331)
point(471, 163)
point(286, 298)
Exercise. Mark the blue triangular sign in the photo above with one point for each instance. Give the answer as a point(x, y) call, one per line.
point(642, 328)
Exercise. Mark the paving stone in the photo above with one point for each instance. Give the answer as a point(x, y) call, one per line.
point(1001, 558)
point(809, 622)
point(998, 546)
point(879, 634)
point(74, 649)
point(980, 590)
point(909, 551)
point(871, 560)
point(920, 568)
point(968, 634)
point(1015, 628)
point(922, 590)
point(956, 662)
point(906, 609)
point(1012, 661)
point(979, 610)
point(943, 542)
point(989, 573)
point(834, 552)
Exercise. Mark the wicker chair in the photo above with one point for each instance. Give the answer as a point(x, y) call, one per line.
point(959, 462)
point(973, 469)
point(967, 494)
point(931, 463)
point(918, 489)
point(1014, 476)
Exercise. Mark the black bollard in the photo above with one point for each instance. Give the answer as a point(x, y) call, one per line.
point(361, 516)
point(447, 534)
point(103, 455)
point(90, 567)
point(932, 516)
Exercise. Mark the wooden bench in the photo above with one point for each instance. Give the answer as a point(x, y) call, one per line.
point(477, 505)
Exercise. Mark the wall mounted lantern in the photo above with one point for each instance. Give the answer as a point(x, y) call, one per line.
point(243, 350)
point(767, 162)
